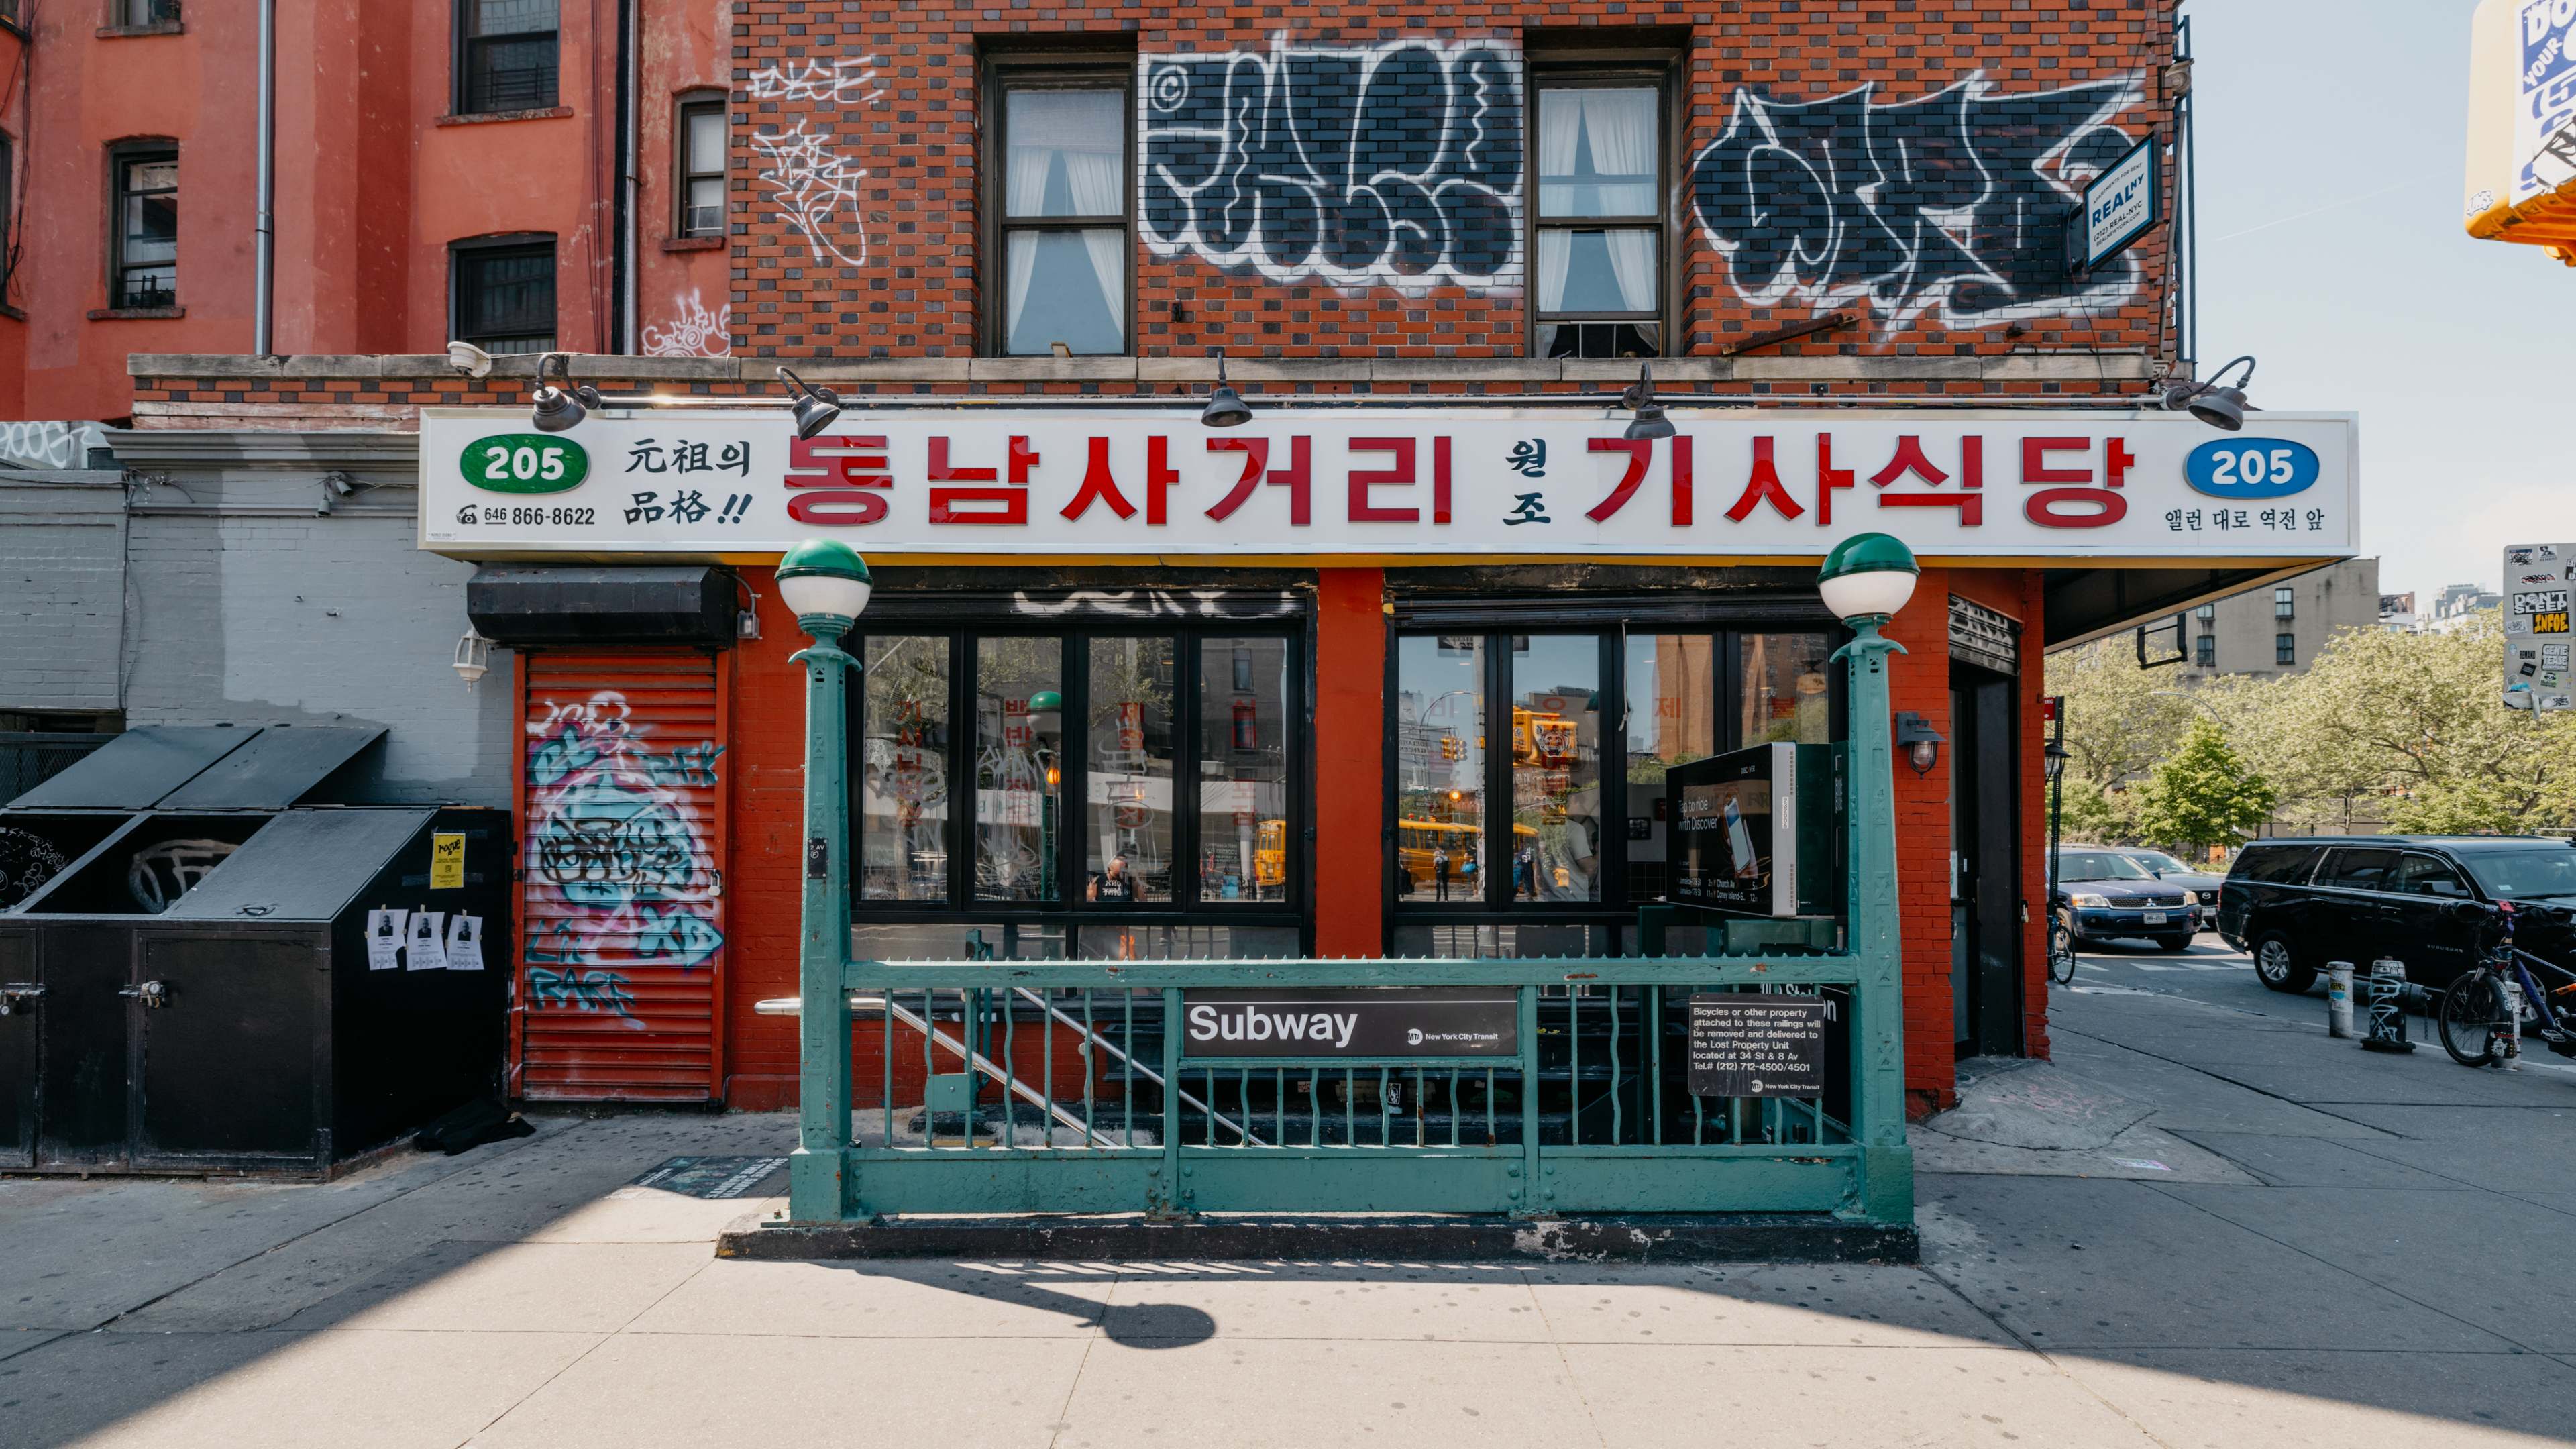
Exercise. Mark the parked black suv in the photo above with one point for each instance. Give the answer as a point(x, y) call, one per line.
point(2298, 904)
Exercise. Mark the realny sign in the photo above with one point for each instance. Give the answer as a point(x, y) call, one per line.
point(2120, 205)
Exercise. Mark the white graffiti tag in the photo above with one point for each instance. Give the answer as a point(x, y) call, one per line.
point(850, 80)
point(694, 331)
point(811, 183)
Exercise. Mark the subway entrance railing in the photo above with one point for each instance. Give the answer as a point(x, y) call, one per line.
point(1078, 1087)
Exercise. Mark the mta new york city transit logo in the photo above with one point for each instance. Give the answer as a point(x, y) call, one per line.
point(2252, 468)
point(524, 463)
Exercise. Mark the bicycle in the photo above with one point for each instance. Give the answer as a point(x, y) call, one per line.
point(2061, 951)
point(2477, 1026)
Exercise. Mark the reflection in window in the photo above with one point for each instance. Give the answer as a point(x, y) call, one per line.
point(1786, 689)
point(903, 788)
point(1440, 765)
point(1129, 847)
point(1556, 768)
point(1019, 768)
point(1672, 720)
point(1243, 769)
point(1066, 163)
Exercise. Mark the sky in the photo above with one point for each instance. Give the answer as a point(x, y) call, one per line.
point(2331, 140)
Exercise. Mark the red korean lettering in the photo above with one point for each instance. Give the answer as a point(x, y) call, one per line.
point(1639, 453)
point(1299, 479)
point(1764, 487)
point(2071, 502)
point(1910, 459)
point(1160, 475)
point(1440, 479)
point(1256, 456)
point(825, 475)
point(1399, 474)
point(1099, 485)
point(1296, 477)
point(1013, 500)
point(1829, 479)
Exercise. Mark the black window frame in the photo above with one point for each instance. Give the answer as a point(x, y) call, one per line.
point(2205, 652)
point(2285, 649)
point(135, 14)
point(461, 255)
point(1059, 71)
point(1074, 912)
point(122, 156)
point(463, 98)
point(1629, 70)
point(2285, 602)
point(683, 177)
point(1614, 909)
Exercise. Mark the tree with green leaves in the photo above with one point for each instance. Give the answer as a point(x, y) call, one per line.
point(2203, 794)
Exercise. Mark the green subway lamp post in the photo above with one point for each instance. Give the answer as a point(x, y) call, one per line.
point(1865, 581)
point(826, 583)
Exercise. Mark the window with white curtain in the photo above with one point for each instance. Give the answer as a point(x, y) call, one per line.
point(1063, 216)
point(1598, 250)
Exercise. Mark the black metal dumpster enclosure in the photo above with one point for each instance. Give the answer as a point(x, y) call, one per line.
point(186, 966)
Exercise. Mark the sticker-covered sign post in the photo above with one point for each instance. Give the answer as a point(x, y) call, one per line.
point(2538, 579)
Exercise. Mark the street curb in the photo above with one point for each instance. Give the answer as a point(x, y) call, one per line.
point(1638, 1238)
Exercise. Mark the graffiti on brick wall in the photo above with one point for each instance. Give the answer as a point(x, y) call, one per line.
point(1955, 204)
point(814, 187)
point(694, 331)
point(1393, 166)
point(616, 839)
point(849, 80)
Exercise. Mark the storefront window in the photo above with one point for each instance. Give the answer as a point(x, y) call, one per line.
point(1556, 768)
point(1787, 689)
point(1019, 760)
point(1243, 770)
point(903, 785)
point(1672, 720)
point(1440, 767)
point(1132, 688)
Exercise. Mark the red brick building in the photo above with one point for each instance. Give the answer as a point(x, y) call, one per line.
point(1015, 241)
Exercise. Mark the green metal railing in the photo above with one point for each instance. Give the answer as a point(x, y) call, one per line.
point(1590, 1113)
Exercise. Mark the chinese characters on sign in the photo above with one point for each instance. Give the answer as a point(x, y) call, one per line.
point(1392, 481)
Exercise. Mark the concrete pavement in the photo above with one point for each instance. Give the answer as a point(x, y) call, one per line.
point(2346, 1249)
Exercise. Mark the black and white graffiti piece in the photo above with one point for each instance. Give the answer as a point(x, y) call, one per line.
point(1393, 166)
point(27, 861)
point(1955, 203)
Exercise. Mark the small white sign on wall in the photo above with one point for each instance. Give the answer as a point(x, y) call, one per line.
point(2120, 205)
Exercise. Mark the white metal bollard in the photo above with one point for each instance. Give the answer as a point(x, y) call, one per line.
point(2339, 999)
point(2387, 1005)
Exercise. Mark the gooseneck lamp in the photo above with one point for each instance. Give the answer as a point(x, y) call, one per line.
point(1867, 578)
point(1225, 407)
point(826, 582)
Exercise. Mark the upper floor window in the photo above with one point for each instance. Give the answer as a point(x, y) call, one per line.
point(504, 296)
point(2285, 648)
point(1597, 253)
point(700, 153)
point(2205, 612)
point(144, 267)
point(506, 55)
point(130, 13)
point(1063, 217)
point(2206, 651)
point(2285, 603)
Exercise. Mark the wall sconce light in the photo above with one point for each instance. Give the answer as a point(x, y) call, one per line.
point(1225, 407)
point(473, 658)
point(1650, 422)
point(1920, 742)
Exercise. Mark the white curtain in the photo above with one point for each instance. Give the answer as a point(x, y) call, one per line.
point(1632, 261)
point(1024, 265)
point(1555, 259)
point(1620, 127)
point(1088, 130)
point(1109, 263)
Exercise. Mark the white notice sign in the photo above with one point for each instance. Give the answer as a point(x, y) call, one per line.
point(427, 948)
point(385, 937)
point(465, 943)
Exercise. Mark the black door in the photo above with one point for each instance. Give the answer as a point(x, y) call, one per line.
point(229, 1058)
point(1987, 850)
point(2359, 912)
point(18, 1048)
point(83, 1044)
point(2431, 938)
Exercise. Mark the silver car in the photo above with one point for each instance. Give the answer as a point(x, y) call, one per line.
point(2203, 885)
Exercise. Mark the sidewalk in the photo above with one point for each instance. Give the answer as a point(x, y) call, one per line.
point(2342, 1249)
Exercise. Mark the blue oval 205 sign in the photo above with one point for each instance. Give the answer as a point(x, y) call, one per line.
point(2252, 468)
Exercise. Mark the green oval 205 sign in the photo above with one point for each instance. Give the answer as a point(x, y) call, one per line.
point(525, 463)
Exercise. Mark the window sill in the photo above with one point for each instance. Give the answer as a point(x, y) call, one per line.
point(121, 32)
point(483, 118)
point(14, 314)
point(135, 314)
point(693, 243)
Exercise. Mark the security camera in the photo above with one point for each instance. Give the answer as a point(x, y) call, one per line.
point(469, 359)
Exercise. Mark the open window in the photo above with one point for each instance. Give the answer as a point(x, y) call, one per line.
point(698, 166)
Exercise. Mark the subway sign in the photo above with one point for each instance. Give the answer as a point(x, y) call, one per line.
point(1322, 482)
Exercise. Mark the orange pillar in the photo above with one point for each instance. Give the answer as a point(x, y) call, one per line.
point(1350, 778)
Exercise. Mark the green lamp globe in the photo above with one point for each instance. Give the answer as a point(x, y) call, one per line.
point(1868, 576)
point(824, 578)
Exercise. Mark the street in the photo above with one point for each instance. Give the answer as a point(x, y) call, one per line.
point(2203, 1223)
